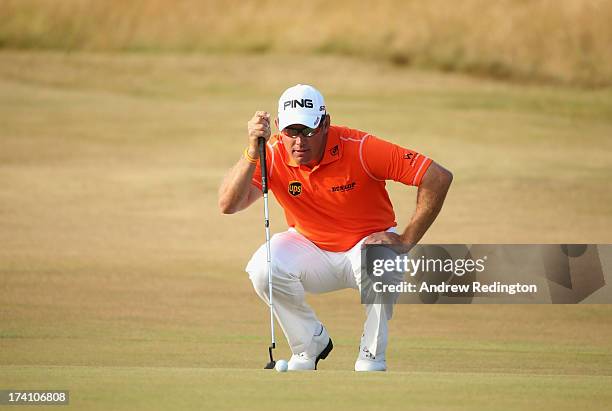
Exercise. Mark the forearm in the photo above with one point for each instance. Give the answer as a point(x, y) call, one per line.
point(236, 192)
point(430, 198)
point(420, 222)
point(235, 188)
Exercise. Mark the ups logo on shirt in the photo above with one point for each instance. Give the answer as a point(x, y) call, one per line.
point(295, 188)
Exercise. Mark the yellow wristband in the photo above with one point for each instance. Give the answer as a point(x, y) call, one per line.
point(248, 157)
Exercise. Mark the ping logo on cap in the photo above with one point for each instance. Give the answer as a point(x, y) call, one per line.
point(306, 103)
point(295, 188)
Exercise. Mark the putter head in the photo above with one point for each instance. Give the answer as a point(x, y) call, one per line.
point(272, 363)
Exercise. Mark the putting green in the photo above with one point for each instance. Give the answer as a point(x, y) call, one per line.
point(152, 388)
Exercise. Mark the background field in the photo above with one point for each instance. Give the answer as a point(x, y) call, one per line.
point(121, 281)
point(557, 41)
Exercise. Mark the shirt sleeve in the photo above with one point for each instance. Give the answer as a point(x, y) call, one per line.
point(386, 161)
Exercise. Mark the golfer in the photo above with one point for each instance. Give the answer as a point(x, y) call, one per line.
point(330, 181)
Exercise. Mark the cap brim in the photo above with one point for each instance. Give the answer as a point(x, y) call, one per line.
point(304, 119)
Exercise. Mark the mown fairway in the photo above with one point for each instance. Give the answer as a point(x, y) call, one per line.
point(121, 281)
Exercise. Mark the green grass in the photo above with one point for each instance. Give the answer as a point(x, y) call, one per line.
point(120, 280)
point(132, 388)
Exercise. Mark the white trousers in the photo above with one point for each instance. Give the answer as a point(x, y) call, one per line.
point(299, 266)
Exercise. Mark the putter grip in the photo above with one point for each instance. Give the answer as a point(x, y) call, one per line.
point(264, 165)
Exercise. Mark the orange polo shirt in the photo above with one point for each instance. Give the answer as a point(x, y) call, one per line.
point(343, 198)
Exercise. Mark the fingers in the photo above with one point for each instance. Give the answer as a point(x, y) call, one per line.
point(258, 126)
point(261, 118)
point(259, 130)
point(383, 237)
point(374, 239)
point(389, 239)
point(262, 115)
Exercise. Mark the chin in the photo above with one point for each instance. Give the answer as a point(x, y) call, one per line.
point(301, 160)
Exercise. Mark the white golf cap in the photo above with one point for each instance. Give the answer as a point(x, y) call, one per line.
point(300, 104)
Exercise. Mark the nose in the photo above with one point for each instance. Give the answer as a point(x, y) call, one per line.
point(300, 139)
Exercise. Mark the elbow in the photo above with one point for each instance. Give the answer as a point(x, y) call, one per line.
point(447, 178)
point(226, 207)
point(438, 178)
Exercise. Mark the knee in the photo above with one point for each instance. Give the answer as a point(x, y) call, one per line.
point(258, 274)
point(283, 270)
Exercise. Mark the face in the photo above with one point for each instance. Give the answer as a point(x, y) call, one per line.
point(305, 150)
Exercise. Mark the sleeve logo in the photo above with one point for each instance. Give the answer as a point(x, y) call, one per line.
point(295, 188)
point(410, 156)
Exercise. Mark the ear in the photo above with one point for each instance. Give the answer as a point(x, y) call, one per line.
point(276, 122)
point(327, 120)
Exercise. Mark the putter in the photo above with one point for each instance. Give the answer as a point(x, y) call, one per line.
point(264, 189)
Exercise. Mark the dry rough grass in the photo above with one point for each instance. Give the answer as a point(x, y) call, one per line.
point(563, 41)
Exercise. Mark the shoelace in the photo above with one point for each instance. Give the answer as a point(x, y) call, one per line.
point(368, 354)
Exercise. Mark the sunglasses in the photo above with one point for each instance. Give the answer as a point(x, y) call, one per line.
point(305, 132)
